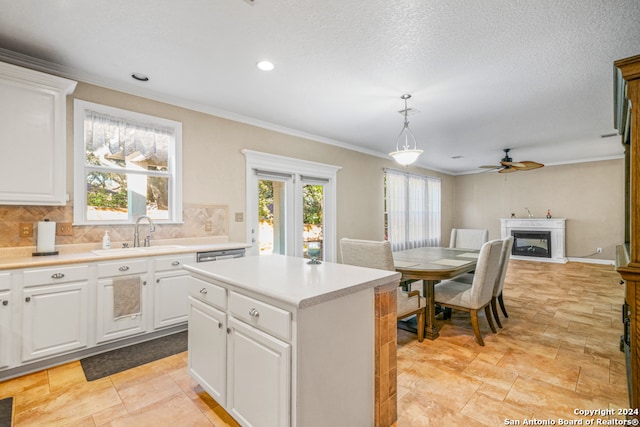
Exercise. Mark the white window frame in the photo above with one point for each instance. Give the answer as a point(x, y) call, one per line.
point(174, 161)
point(326, 175)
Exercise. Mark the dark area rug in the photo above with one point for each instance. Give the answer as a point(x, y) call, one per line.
point(112, 362)
point(6, 406)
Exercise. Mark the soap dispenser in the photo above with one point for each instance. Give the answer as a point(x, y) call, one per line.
point(106, 241)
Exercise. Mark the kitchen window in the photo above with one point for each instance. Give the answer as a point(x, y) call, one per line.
point(412, 210)
point(127, 164)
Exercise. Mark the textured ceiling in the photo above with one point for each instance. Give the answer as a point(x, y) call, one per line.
point(485, 75)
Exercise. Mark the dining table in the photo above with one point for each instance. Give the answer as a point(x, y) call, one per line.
point(431, 265)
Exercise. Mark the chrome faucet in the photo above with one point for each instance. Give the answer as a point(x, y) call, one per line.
point(530, 214)
point(136, 235)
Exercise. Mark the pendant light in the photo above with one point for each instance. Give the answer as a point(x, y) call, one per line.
point(406, 147)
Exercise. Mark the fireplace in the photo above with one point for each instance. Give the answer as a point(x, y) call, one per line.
point(531, 246)
point(532, 243)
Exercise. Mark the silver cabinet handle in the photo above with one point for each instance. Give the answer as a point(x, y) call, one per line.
point(27, 299)
point(5, 302)
point(144, 283)
point(124, 268)
point(157, 280)
point(57, 275)
point(203, 291)
point(254, 313)
point(175, 263)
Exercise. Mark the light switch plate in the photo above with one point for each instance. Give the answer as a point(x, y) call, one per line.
point(239, 216)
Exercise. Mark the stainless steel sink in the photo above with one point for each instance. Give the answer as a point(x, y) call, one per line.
point(136, 250)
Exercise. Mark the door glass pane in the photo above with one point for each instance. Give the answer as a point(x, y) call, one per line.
point(271, 217)
point(312, 216)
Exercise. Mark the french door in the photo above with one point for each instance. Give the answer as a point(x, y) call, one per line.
point(290, 203)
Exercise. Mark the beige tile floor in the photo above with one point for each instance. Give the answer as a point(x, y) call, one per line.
point(558, 351)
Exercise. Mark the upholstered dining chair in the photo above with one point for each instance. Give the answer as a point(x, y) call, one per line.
point(497, 290)
point(505, 255)
point(377, 254)
point(461, 296)
point(468, 238)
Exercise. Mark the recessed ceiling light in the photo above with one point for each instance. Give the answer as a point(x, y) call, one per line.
point(140, 77)
point(265, 65)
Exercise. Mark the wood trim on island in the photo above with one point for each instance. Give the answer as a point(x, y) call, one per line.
point(386, 344)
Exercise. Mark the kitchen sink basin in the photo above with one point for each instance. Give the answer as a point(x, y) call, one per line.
point(134, 251)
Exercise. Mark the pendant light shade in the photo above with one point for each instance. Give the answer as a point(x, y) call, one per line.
point(406, 147)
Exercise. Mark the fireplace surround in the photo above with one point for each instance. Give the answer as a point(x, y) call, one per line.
point(533, 243)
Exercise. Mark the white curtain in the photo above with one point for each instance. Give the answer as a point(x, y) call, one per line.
point(112, 136)
point(413, 210)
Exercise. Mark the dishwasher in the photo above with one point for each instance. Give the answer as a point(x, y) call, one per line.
point(219, 254)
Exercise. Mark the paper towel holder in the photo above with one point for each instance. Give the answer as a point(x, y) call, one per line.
point(45, 253)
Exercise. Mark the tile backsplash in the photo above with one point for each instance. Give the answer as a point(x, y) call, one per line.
point(199, 221)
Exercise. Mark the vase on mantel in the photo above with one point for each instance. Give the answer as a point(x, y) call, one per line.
point(548, 213)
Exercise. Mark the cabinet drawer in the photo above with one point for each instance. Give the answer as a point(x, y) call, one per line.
point(208, 292)
point(265, 316)
point(43, 276)
point(5, 281)
point(173, 262)
point(122, 267)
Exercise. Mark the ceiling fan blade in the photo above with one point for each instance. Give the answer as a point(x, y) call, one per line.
point(528, 165)
point(513, 164)
point(508, 170)
point(490, 166)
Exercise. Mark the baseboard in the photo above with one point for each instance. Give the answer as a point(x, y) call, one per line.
point(593, 261)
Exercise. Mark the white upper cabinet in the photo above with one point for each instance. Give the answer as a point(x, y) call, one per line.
point(32, 136)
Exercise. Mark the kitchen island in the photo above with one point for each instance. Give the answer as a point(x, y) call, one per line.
point(279, 342)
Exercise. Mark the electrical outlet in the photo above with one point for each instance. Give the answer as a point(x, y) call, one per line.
point(64, 229)
point(239, 216)
point(26, 229)
point(598, 250)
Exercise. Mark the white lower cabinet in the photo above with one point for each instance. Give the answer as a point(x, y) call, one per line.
point(6, 326)
point(243, 366)
point(109, 325)
point(259, 376)
point(54, 319)
point(6, 336)
point(208, 348)
point(171, 291)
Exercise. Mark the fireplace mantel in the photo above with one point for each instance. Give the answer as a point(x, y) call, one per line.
point(555, 225)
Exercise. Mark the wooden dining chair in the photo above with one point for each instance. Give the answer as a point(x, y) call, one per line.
point(461, 296)
point(377, 254)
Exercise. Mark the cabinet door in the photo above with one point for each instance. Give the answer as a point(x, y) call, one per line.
point(6, 337)
point(170, 297)
point(54, 319)
point(109, 327)
point(208, 348)
point(33, 123)
point(259, 377)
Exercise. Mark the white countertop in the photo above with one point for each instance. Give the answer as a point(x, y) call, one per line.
point(73, 254)
point(291, 280)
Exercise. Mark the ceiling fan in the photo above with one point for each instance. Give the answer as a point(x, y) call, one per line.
point(507, 165)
